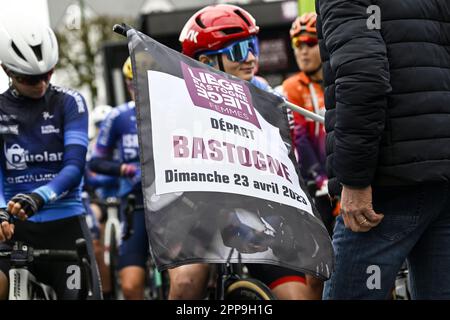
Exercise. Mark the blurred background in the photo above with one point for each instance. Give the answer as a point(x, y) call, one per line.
point(91, 54)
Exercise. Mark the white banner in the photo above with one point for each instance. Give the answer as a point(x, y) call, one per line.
point(217, 148)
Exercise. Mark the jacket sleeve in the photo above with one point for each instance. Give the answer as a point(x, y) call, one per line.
point(359, 63)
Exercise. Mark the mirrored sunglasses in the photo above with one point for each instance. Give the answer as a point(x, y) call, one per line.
point(299, 41)
point(238, 51)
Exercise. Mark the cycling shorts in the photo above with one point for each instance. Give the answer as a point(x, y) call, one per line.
point(135, 250)
point(60, 235)
point(273, 276)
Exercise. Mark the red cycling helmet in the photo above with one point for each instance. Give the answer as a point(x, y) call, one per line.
point(305, 23)
point(213, 27)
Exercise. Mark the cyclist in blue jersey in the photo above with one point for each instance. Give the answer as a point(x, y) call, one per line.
point(119, 131)
point(226, 39)
point(43, 130)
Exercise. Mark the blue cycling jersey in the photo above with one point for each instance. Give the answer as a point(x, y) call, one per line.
point(119, 131)
point(44, 150)
point(103, 186)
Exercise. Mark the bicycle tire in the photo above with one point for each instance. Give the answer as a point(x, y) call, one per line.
point(248, 289)
point(113, 252)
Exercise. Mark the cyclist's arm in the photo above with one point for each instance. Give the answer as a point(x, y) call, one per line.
point(95, 180)
point(75, 148)
point(102, 157)
point(105, 166)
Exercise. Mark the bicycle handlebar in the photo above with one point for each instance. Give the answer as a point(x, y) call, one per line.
point(21, 255)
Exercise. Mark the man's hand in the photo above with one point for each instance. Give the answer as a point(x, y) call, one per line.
point(357, 210)
point(6, 228)
point(24, 206)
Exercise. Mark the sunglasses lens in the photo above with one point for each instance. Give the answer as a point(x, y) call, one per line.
point(311, 42)
point(33, 79)
point(297, 42)
point(238, 52)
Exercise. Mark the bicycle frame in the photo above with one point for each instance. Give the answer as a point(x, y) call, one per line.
point(112, 222)
point(23, 286)
point(225, 273)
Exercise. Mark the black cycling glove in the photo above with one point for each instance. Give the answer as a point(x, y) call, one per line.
point(30, 203)
point(5, 216)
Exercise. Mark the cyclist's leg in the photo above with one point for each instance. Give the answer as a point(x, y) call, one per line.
point(133, 254)
point(4, 285)
point(4, 268)
point(429, 261)
point(99, 250)
point(188, 282)
point(314, 288)
point(285, 283)
point(132, 282)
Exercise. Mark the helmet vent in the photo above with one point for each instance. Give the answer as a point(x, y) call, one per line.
point(232, 30)
point(17, 51)
point(240, 14)
point(200, 23)
point(37, 51)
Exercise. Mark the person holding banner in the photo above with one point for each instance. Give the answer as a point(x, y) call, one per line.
point(226, 39)
point(119, 131)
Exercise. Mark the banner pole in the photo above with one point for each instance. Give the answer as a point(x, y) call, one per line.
point(121, 29)
point(303, 112)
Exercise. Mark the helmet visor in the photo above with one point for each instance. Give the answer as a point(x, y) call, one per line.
point(238, 51)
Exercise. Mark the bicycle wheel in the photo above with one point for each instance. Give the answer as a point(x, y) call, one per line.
point(248, 289)
point(113, 257)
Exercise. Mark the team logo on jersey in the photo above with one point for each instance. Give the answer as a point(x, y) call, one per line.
point(47, 115)
point(130, 143)
point(7, 117)
point(17, 157)
point(12, 129)
point(49, 129)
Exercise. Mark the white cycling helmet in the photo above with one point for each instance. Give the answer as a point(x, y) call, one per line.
point(27, 45)
point(99, 113)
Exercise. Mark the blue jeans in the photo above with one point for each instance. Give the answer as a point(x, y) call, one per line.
point(416, 227)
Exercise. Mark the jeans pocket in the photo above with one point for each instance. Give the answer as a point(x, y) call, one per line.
point(402, 208)
point(396, 227)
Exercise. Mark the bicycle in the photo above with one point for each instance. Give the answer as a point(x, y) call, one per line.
point(402, 289)
point(24, 284)
point(112, 240)
point(231, 285)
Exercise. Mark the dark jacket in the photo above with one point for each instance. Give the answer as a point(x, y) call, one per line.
point(387, 91)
